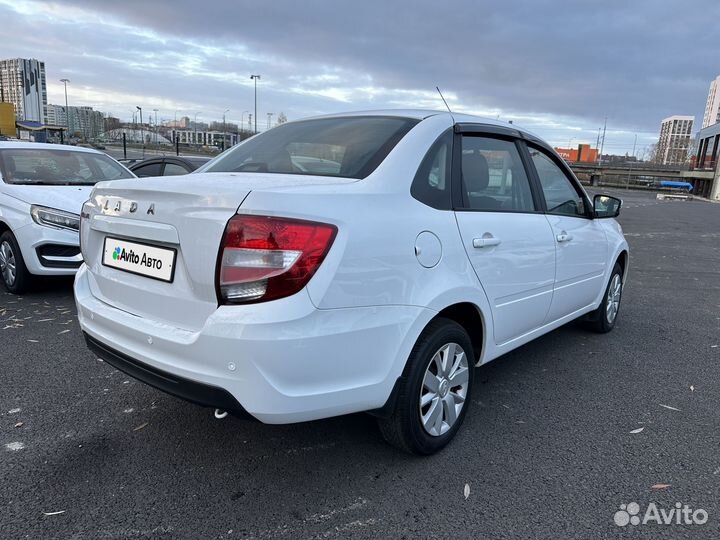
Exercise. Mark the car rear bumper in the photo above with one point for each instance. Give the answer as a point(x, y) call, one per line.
point(187, 389)
point(283, 361)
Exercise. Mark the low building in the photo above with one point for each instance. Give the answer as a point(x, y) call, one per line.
point(583, 153)
point(81, 122)
point(183, 123)
point(707, 148)
point(618, 158)
point(35, 131)
point(203, 137)
point(674, 142)
point(136, 134)
point(7, 120)
point(56, 115)
point(111, 122)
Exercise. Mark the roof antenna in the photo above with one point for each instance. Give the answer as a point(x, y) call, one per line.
point(443, 98)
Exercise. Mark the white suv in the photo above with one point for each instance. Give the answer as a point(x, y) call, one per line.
point(358, 262)
point(42, 189)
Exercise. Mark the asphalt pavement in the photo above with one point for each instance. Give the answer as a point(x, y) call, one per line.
point(560, 433)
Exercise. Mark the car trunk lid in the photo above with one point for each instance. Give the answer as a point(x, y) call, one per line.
point(186, 216)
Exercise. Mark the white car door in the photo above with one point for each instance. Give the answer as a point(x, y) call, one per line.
point(508, 239)
point(581, 244)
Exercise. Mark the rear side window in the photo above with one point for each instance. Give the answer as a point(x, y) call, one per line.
point(350, 147)
point(151, 169)
point(432, 181)
point(493, 176)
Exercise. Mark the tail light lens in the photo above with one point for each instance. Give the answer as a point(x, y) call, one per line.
point(265, 258)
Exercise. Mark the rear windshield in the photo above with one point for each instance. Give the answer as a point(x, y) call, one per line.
point(58, 167)
point(351, 147)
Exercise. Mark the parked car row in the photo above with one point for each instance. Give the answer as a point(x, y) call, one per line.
point(43, 188)
point(348, 263)
point(45, 220)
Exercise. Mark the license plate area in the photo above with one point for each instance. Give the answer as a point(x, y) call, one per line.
point(140, 258)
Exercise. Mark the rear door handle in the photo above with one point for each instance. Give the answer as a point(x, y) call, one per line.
point(564, 237)
point(487, 240)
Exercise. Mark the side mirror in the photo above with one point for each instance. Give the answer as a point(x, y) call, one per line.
point(605, 206)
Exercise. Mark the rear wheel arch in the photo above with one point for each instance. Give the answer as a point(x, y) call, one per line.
point(4, 227)
point(470, 317)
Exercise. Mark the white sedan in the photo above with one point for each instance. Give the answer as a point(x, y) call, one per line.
point(42, 188)
point(357, 262)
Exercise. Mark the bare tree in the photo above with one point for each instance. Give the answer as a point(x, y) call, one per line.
point(692, 149)
point(281, 119)
point(652, 153)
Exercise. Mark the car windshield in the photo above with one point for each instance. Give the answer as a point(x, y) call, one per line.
point(58, 167)
point(350, 147)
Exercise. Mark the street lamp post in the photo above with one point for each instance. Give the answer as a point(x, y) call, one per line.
point(226, 111)
point(156, 126)
point(255, 78)
point(195, 126)
point(142, 132)
point(242, 121)
point(67, 111)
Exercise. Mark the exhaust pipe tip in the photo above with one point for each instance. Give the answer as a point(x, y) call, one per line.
point(220, 414)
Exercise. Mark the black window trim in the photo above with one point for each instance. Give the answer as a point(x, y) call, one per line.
point(486, 129)
point(490, 131)
point(557, 160)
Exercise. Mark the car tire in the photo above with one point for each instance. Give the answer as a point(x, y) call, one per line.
point(603, 319)
point(13, 272)
point(443, 355)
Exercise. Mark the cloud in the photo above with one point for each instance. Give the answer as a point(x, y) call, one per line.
point(558, 67)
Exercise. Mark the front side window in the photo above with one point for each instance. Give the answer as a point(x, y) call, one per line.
point(493, 176)
point(58, 167)
point(350, 147)
point(561, 197)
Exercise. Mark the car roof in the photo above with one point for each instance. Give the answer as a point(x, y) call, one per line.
point(195, 159)
point(187, 159)
point(4, 145)
point(422, 114)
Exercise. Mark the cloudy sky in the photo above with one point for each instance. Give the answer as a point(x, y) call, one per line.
point(556, 67)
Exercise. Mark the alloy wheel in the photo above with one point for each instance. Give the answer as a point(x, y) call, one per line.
point(613, 299)
point(8, 267)
point(444, 389)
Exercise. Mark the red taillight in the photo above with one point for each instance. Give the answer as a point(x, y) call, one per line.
point(265, 258)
